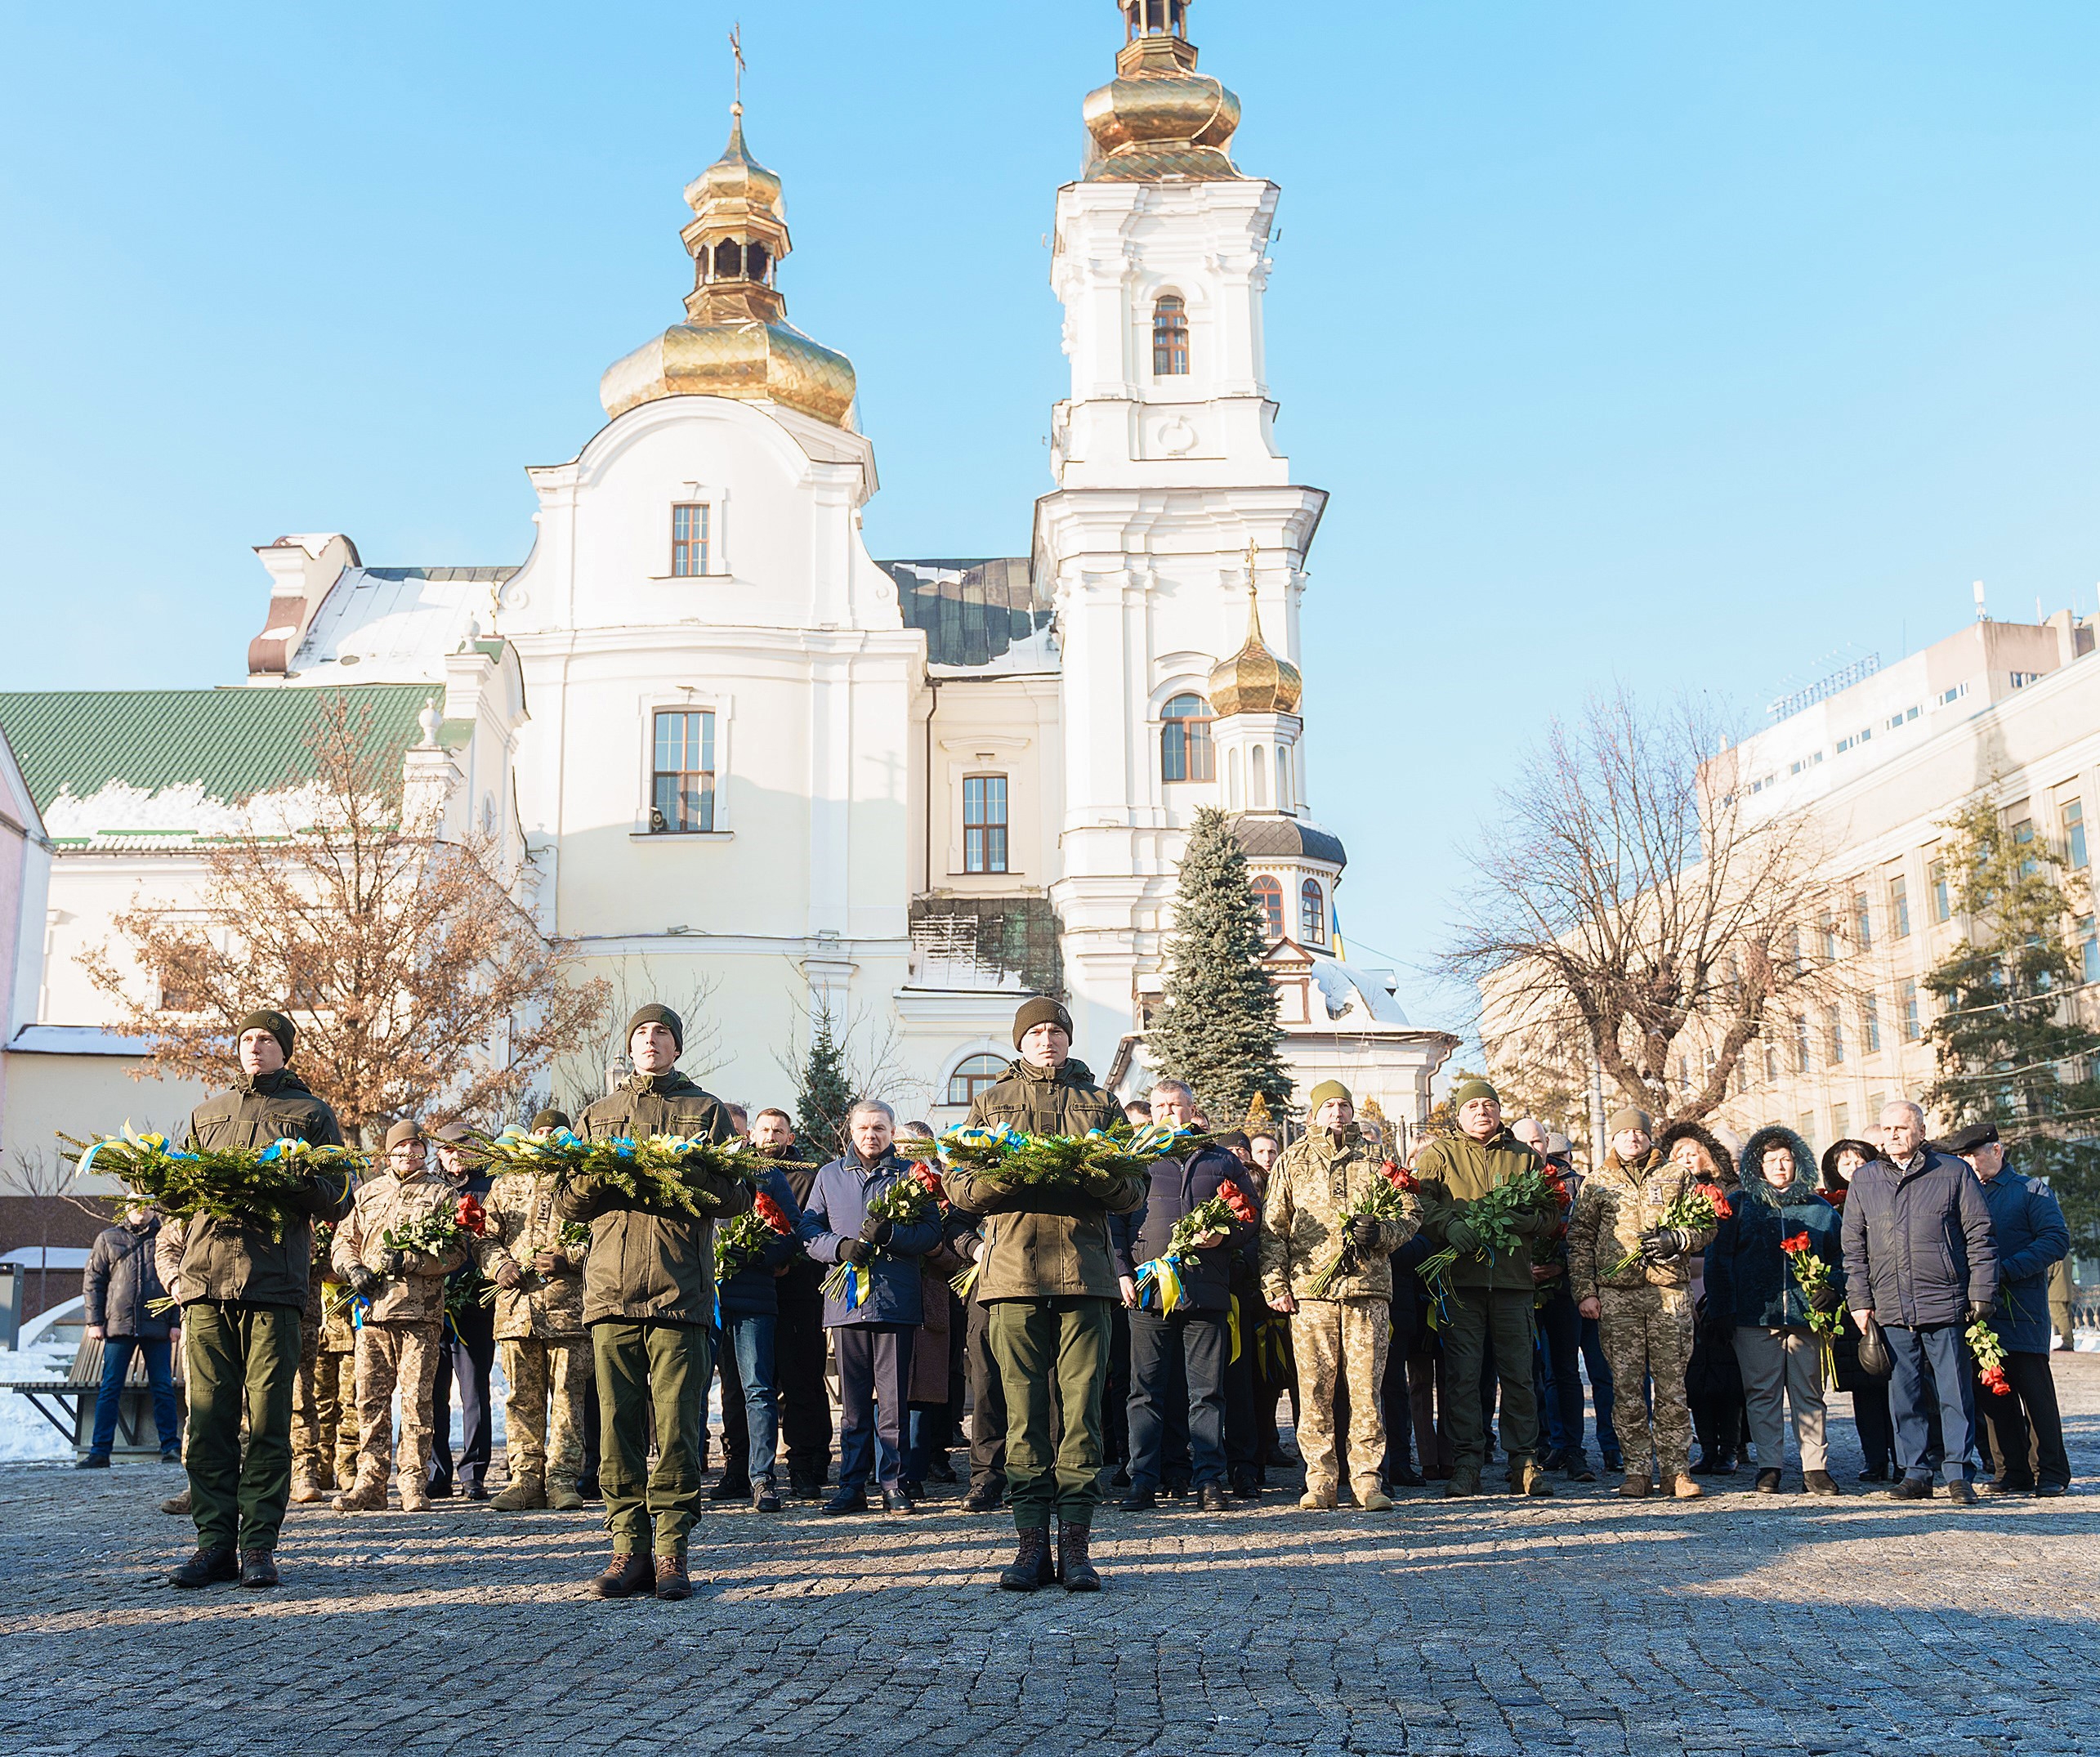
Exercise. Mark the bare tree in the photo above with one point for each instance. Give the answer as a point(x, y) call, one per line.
point(586, 1073)
point(48, 1180)
point(418, 980)
point(1628, 904)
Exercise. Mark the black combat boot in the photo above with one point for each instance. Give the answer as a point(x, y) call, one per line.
point(985, 1494)
point(1074, 1569)
point(216, 1562)
point(1031, 1567)
point(258, 1567)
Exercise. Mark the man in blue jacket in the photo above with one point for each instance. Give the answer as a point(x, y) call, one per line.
point(1198, 1329)
point(2028, 1228)
point(750, 1328)
point(1919, 1260)
point(873, 1339)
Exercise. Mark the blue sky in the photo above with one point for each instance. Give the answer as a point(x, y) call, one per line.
point(1680, 345)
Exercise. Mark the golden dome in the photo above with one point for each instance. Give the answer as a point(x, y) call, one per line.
point(736, 341)
point(1253, 679)
point(1158, 118)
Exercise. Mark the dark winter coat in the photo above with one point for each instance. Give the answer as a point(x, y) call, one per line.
point(1918, 1242)
point(1725, 1169)
point(803, 1284)
point(1748, 1281)
point(237, 1263)
point(1177, 1187)
point(2027, 1226)
point(121, 1282)
point(837, 1209)
point(650, 1264)
point(1038, 1247)
point(754, 1291)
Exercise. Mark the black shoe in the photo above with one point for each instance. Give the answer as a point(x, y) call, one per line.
point(805, 1488)
point(1960, 1492)
point(1553, 1458)
point(1577, 1470)
point(1138, 1500)
point(731, 1488)
point(912, 1488)
point(1121, 1478)
point(1406, 1476)
point(218, 1562)
point(765, 1498)
point(1712, 1464)
point(1245, 1487)
point(258, 1567)
point(847, 1500)
point(2050, 1490)
point(2001, 1487)
point(940, 1470)
point(91, 1461)
point(1615, 1465)
point(1074, 1567)
point(440, 1490)
point(171, 1454)
point(985, 1495)
point(1767, 1483)
point(1212, 1498)
point(1876, 1474)
point(897, 1499)
point(587, 1487)
point(1177, 1490)
point(476, 1489)
point(1031, 1567)
point(624, 1576)
point(1912, 1488)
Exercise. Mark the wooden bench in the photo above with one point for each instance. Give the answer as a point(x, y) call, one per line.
point(136, 1430)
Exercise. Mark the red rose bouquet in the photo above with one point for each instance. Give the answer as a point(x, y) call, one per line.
point(739, 1243)
point(1696, 1209)
point(1159, 1278)
point(1812, 1275)
point(1990, 1353)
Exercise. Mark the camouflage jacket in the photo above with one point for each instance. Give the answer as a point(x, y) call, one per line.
point(416, 1295)
point(522, 1222)
point(1617, 1204)
point(1318, 1180)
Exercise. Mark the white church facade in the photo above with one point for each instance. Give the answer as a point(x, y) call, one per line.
point(761, 774)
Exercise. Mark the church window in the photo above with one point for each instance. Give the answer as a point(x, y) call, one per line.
point(984, 824)
point(1313, 912)
point(1269, 899)
point(729, 259)
point(1232, 778)
point(683, 800)
point(1283, 779)
point(755, 259)
point(689, 541)
point(1186, 751)
point(1258, 778)
point(972, 1076)
point(1170, 338)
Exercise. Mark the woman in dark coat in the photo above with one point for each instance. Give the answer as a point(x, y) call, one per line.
point(1713, 1383)
point(1871, 1420)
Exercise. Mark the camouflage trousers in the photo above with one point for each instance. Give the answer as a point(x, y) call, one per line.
point(388, 1355)
point(1646, 1334)
point(335, 1392)
point(308, 1449)
point(539, 1369)
point(1331, 1338)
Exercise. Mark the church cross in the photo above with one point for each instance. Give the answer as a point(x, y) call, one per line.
point(736, 51)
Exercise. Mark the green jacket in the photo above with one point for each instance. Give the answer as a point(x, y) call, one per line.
point(1315, 1183)
point(1457, 1169)
point(224, 1261)
point(1031, 1251)
point(650, 1263)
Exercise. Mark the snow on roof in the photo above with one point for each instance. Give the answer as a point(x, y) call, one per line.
point(396, 624)
point(1354, 993)
point(74, 1040)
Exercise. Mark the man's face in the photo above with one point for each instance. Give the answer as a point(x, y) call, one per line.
point(1987, 1160)
point(653, 1047)
point(1779, 1167)
point(771, 1130)
point(1048, 1044)
point(137, 1215)
point(1266, 1150)
point(1532, 1135)
point(452, 1162)
point(406, 1159)
point(1479, 1118)
point(1901, 1131)
point(1631, 1145)
point(872, 1133)
point(1335, 1113)
point(260, 1053)
point(1171, 1106)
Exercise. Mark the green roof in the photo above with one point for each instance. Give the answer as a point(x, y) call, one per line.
point(232, 743)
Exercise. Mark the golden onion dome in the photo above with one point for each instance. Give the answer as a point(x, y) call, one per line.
point(1253, 679)
point(1159, 117)
point(736, 340)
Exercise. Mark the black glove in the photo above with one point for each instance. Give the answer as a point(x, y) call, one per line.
point(877, 1232)
point(390, 1264)
point(1978, 1311)
point(1661, 1244)
point(362, 1280)
point(856, 1251)
point(1363, 1232)
point(1826, 1299)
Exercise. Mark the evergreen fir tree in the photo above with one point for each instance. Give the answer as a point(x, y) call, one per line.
point(1218, 1030)
point(2011, 1046)
point(823, 1091)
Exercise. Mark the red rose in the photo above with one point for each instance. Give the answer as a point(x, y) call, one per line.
point(929, 1180)
point(1796, 1245)
point(771, 1211)
point(1398, 1176)
point(471, 1217)
point(1235, 1199)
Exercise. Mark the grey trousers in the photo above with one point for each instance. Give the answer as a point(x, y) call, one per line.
point(1788, 1362)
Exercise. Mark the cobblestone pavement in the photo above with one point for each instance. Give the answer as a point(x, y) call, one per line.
point(1583, 1624)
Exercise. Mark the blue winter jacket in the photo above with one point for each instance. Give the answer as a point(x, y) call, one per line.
point(837, 1209)
point(755, 1291)
point(1748, 1281)
point(2027, 1226)
point(1917, 1243)
point(1177, 1187)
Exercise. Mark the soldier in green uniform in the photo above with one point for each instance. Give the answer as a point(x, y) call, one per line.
point(649, 1300)
point(242, 1292)
point(1048, 1284)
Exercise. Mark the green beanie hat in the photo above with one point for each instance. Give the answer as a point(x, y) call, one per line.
point(405, 1130)
point(547, 1120)
point(1631, 1116)
point(275, 1023)
point(1465, 1093)
point(656, 1013)
point(1040, 1010)
point(1326, 1089)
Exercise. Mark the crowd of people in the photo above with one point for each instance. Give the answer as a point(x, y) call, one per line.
point(1417, 1317)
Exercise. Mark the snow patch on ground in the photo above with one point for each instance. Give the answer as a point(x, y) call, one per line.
point(25, 1435)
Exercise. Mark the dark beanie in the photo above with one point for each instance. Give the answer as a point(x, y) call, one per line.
point(275, 1023)
point(657, 1013)
point(1040, 1010)
point(548, 1120)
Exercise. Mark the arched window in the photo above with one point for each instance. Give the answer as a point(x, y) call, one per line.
point(1269, 899)
point(729, 259)
point(1170, 338)
point(972, 1075)
point(1312, 914)
point(1258, 778)
point(755, 260)
point(1184, 745)
point(1283, 778)
point(1232, 778)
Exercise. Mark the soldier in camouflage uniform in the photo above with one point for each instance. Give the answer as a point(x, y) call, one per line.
point(335, 1384)
point(1643, 1312)
point(1318, 1180)
point(398, 1342)
point(539, 1327)
point(312, 1470)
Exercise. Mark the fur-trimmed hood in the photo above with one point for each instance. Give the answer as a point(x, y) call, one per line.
point(1803, 1187)
point(1834, 1179)
point(1724, 1161)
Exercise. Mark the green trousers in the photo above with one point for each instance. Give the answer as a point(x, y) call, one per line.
point(1035, 1341)
point(643, 1368)
point(239, 1358)
point(1478, 1314)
